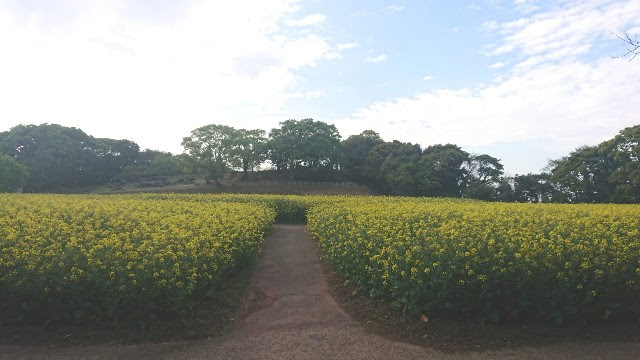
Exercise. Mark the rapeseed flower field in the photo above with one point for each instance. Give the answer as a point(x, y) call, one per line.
point(106, 256)
point(488, 261)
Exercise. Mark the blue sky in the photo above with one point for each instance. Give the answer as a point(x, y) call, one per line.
point(522, 80)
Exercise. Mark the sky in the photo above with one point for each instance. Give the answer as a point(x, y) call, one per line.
point(522, 80)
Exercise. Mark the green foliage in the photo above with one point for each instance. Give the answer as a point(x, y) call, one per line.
point(109, 258)
point(376, 158)
point(12, 175)
point(609, 172)
point(289, 209)
point(111, 157)
point(58, 158)
point(441, 170)
point(483, 169)
point(305, 149)
point(248, 149)
point(211, 148)
point(483, 175)
point(533, 188)
point(397, 173)
point(487, 261)
point(54, 156)
point(156, 163)
point(219, 148)
point(355, 150)
point(624, 153)
point(582, 176)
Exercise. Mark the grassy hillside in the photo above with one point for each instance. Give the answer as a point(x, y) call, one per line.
point(232, 183)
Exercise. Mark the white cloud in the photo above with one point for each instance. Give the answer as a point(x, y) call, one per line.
point(455, 29)
point(120, 73)
point(347, 46)
point(391, 9)
point(395, 8)
point(568, 30)
point(526, 6)
point(427, 78)
point(568, 105)
point(307, 95)
point(550, 97)
point(490, 25)
point(336, 52)
point(497, 65)
point(305, 51)
point(313, 19)
point(332, 55)
point(377, 59)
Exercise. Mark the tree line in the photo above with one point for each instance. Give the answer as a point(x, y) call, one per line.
point(53, 158)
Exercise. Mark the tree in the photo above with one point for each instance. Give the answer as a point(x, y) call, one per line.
point(582, 176)
point(156, 163)
point(55, 157)
point(112, 156)
point(355, 150)
point(632, 43)
point(375, 158)
point(397, 173)
point(608, 172)
point(441, 172)
point(483, 169)
point(211, 147)
point(248, 149)
point(623, 154)
point(58, 158)
point(12, 174)
point(504, 190)
point(482, 175)
point(533, 188)
point(305, 148)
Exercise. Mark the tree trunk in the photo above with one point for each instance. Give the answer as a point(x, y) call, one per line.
point(245, 169)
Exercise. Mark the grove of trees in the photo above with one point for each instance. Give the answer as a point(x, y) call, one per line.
point(54, 158)
point(12, 174)
point(58, 158)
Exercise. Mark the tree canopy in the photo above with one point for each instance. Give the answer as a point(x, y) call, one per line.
point(12, 174)
point(248, 149)
point(58, 157)
point(608, 172)
point(211, 147)
point(356, 149)
point(53, 158)
point(305, 148)
point(441, 170)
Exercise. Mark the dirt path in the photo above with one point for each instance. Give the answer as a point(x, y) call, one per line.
point(289, 314)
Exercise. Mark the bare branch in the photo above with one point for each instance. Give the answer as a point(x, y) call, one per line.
point(631, 43)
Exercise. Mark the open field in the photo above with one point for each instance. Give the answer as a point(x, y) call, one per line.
point(75, 258)
point(488, 261)
point(94, 258)
point(290, 311)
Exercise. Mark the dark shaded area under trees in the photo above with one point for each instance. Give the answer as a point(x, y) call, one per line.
point(54, 158)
